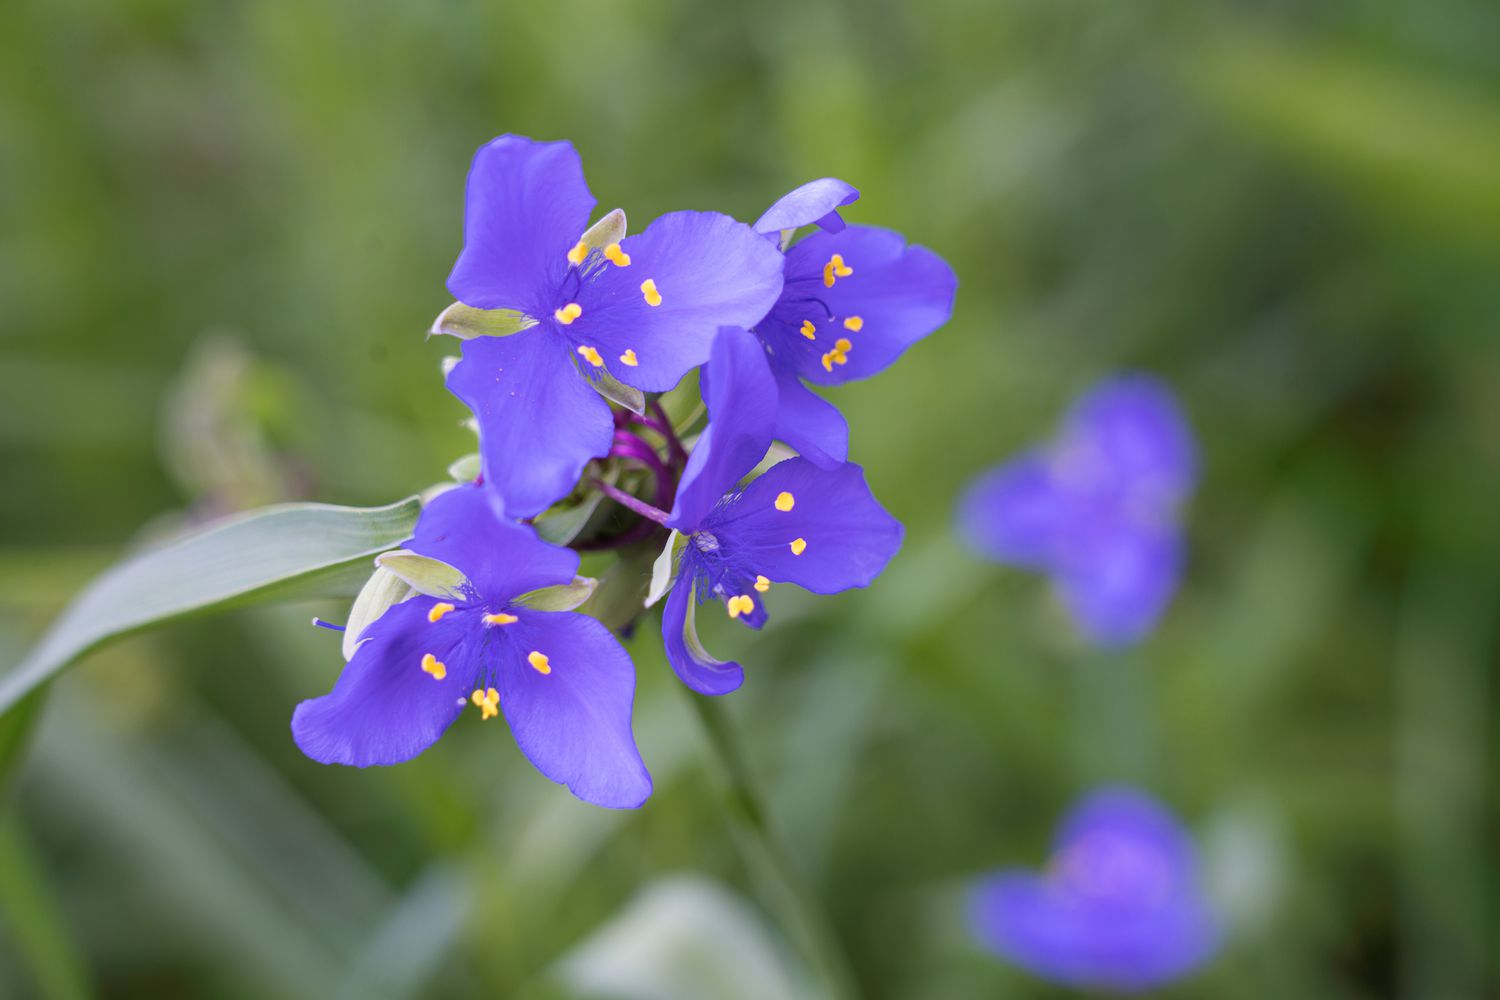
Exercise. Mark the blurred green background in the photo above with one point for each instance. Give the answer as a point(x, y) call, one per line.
point(225, 226)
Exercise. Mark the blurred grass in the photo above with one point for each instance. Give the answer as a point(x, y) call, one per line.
point(1290, 211)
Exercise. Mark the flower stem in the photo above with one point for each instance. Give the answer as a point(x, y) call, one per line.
point(789, 900)
point(633, 503)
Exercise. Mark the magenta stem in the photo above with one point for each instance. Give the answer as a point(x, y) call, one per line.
point(629, 502)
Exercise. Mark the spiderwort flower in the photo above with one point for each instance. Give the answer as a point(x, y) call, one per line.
point(1119, 907)
point(855, 298)
point(797, 523)
point(561, 680)
point(1097, 509)
point(643, 310)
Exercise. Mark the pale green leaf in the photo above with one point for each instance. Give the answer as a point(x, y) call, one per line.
point(383, 590)
point(423, 574)
point(251, 558)
point(565, 597)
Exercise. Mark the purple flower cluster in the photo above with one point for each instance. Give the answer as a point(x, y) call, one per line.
point(577, 316)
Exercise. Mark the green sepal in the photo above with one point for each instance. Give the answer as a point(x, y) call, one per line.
point(381, 592)
point(613, 389)
point(561, 524)
point(609, 229)
point(466, 469)
point(423, 574)
point(466, 322)
point(565, 597)
point(663, 570)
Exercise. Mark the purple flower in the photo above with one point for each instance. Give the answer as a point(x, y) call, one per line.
point(1118, 908)
point(562, 681)
point(855, 298)
point(1097, 509)
point(797, 523)
point(643, 310)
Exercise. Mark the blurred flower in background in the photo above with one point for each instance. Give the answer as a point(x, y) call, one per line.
point(1097, 508)
point(1119, 906)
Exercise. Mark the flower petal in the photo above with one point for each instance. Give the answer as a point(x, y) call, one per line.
point(693, 664)
point(1116, 576)
point(809, 423)
point(539, 421)
point(814, 202)
point(895, 296)
point(706, 270)
point(818, 528)
point(1125, 816)
point(573, 721)
point(741, 398)
point(1015, 514)
point(1127, 437)
point(500, 558)
point(384, 708)
point(525, 206)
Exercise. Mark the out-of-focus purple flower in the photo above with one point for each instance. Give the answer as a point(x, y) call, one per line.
point(797, 523)
point(1119, 906)
point(564, 684)
point(643, 310)
point(854, 299)
point(1097, 508)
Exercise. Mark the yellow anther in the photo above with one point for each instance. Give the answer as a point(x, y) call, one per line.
point(488, 703)
point(854, 324)
point(741, 605)
point(784, 501)
point(629, 358)
point(432, 665)
point(568, 313)
point(843, 346)
point(835, 268)
point(808, 330)
point(799, 546)
point(648, 289)
point(539, 662)
point(500, 618)
point(591, 356)
point(616, 256)
point(839, 355)
point(437, 611)
point(762, 584)
point(580, 250)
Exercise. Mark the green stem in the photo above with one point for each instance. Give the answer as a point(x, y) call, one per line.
point(786, 896)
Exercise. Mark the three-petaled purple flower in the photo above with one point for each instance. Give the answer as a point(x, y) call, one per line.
point(1098, 508)
point(562, 681)
point(855, 298)
point(1119, 907)
point(644, 310)
point(797, 523)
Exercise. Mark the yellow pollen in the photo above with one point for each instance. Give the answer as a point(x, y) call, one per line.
point(488, 703)
point(762, 584)
point(629, 358)
point(580, 250)
point(591, 356)
point(437, 611)
point(741, 605)
point(432, 665)
point(617, 257)
point(539, 662)
point(799, 546)
point(808, 330)
point(500, 618)
point(784, 501)
point(835, 268)
point(854, 324)
point(839, 355)
point(648, 289)
point(568, 313)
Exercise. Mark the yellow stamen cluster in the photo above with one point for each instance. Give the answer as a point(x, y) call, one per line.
point(539, 662)
point(741, 604)
point(488, 703)
point(629, 358)
point(839, 355)
point(438, 610)
point(835, 268)
point(854, 324)
point(808, 330)
point(799, 546)
point(762, 584)
point(500, 618)
point(568, 313)
point(591, 355)
point(432, 665)
point(617, 257)
point(785, 501)
point(648, 289)
point(578, 253)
